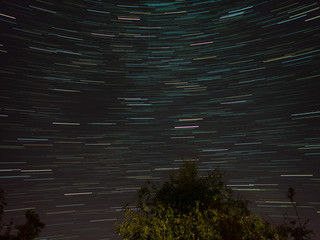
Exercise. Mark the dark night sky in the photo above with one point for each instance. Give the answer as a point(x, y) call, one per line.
point(99, 96)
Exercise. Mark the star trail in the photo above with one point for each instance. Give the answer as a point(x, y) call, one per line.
point(99, 96)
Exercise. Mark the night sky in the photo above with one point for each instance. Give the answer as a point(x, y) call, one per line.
point(97, 97)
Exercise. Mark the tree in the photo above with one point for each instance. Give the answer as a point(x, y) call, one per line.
point(168, 224)
point(186, 187)
point(192, 207)
point(292, 229)
point(30, 230)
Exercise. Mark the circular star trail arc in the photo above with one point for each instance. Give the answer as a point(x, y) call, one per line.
point(99, 96)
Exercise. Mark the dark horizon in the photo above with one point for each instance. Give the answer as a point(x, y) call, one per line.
point(97, 97)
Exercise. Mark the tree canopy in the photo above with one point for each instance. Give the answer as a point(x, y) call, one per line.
point(190, 206)
point(186, 187)
point(193, 207)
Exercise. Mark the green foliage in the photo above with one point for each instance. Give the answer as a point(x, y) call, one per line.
point(192, 207)
point(195, 207)
point(30, 230)
point(211, 224)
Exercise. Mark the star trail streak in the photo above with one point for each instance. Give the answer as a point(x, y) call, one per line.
point(99, 96)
